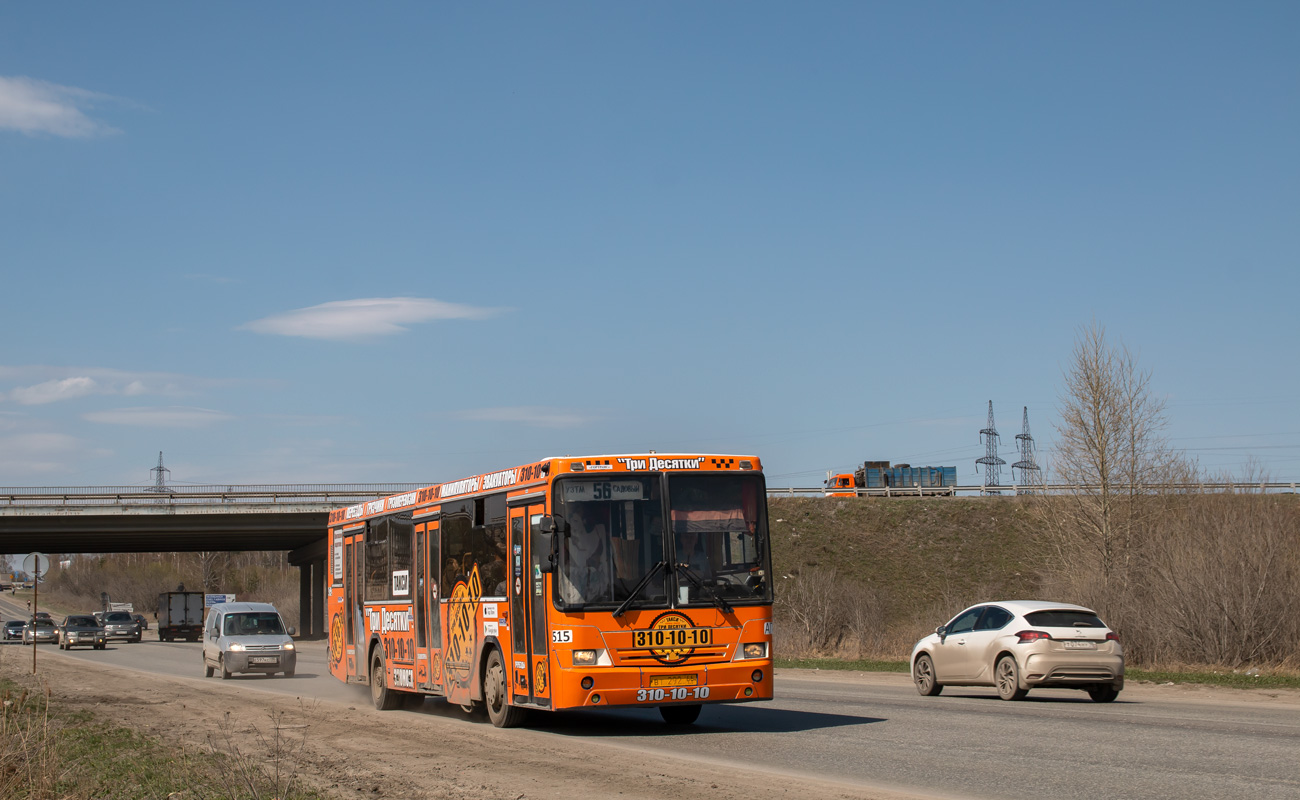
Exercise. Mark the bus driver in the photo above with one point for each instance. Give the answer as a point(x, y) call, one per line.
point(584, 577)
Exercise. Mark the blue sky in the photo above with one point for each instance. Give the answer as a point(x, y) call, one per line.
point(410, 242)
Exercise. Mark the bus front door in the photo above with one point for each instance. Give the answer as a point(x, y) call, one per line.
point(531, 669)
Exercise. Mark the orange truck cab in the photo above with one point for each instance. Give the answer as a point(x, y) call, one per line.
point(842, 482)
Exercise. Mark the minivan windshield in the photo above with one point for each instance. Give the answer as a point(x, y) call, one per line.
point(253, 623)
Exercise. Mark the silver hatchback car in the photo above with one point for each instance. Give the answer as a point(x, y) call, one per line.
point(1020, 645)
point(247, 637)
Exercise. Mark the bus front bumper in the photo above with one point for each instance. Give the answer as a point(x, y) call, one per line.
point(732, 682)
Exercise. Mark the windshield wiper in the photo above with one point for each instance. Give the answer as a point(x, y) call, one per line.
point(717, 601)
point(622, 607)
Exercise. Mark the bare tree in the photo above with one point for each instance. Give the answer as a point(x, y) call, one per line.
point(1111, 453)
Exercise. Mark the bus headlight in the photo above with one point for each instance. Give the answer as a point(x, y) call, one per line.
point(584, 658)
point(753, 650)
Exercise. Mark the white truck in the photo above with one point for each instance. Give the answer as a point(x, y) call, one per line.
point(180, 616)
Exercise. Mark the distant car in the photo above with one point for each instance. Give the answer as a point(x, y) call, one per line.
point(121, 625)
point(99, 616)
point(144, 623)
point(81, 630)
point(43, 615)
point(1020, 645)
point(40, 630)
point(247, 637)
point(14, 629)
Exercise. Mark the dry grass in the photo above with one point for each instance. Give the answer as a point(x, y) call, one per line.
point(864, 579)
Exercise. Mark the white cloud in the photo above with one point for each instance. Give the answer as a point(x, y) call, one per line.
point(362, 319)
point(160, 417)
point(54, 391)
point(532, 416)
point(34, 107)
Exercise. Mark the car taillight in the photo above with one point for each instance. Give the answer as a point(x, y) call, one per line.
point(1112, 637)
point(1033, 636)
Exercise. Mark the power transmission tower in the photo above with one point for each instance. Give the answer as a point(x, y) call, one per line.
point(159, 479)
point(992, 464)
point(1030, 473)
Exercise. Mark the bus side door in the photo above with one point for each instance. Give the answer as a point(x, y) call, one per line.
point(428, 613)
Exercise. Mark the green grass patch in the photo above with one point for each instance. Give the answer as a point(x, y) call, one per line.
point(1212, 677)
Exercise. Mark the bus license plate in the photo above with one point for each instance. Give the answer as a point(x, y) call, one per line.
point(264, 660)
point(672, 637)
point(657, 681)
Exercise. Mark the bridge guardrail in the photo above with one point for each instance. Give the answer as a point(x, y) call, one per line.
point(346, 494)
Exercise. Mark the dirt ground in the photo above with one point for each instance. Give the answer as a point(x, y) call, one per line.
point(351, 751)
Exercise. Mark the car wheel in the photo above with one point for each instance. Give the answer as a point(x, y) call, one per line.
point(288, 673)
point(207, 669)
point(1007, 675)
point(923, 676)
point(1103, 694)
point(680, 715)
point(385, 699)
point(225, 673)
point(496, 697)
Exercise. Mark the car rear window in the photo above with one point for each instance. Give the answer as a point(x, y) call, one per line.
point(1064, 619)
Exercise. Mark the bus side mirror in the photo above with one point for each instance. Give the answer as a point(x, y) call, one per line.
point(546, 528)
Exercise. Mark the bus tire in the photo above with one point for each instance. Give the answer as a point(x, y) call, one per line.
point(680, 715)
point(496, 695)
point(385, 699)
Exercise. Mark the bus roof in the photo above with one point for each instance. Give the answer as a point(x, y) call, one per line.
point(516, 480)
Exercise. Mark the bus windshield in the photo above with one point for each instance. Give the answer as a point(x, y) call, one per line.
point(616, 537)
point(719, 537)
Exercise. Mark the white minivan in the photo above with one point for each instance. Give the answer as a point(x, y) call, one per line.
point(247, 637)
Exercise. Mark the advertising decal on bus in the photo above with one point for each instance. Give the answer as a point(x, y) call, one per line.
point(462, 632)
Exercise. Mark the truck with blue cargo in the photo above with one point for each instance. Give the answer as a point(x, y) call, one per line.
point(880, 476)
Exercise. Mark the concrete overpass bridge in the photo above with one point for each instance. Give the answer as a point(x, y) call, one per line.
point(135, 519)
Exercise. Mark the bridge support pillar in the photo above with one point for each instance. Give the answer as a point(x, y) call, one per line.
point(311, 600)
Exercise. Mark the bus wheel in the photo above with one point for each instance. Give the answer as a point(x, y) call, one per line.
point(495, 697)
point(680, 715)
point(385, 699)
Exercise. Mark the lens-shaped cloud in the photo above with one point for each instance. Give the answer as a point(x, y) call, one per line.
point(362, 319)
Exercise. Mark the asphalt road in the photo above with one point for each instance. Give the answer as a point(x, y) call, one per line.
point(875, 731)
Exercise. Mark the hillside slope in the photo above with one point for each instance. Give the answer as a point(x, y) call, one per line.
point(916, 557)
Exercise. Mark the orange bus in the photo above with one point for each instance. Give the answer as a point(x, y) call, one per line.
point(593, 582)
